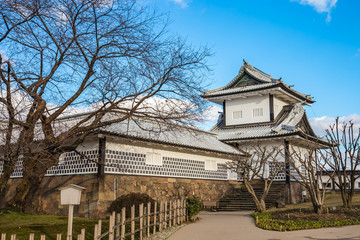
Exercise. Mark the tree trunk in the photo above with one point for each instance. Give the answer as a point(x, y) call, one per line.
point(8, 168)
point(318, 208)
point(33, 173)
point(262, 205)
point(259, 204)
point(346, 199)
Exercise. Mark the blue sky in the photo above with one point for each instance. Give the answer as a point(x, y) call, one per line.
point(312, 44)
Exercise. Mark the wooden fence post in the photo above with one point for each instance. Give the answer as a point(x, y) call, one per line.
point(58, 236)
point(144, 221)
point(133, 222)
point(111, 226)
point(174, 217)
point(148, 218)
point(182, 211)
point(31, 236)
point(155, 216)
point(141, 215)
point(118, 217)
point(165, 215)
point(185, 210)
point(170, 209)
point(99, 229)
point(83, 234)
point(13, 237)
point(96, 234)
point(123, 218)
point(178, 211)
point(3, 236)
point(161, 215)
point(42, 237)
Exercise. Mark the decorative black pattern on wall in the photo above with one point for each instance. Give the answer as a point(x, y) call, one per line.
point(134, 163)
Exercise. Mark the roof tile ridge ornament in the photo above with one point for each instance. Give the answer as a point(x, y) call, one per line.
point(277, 80)
point(288, 124)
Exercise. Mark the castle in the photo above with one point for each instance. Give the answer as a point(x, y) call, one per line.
point(180, 161)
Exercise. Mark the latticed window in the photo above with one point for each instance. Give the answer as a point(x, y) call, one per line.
point(153, 158)
point(210, 165)
point(237, 114)
point(258, 112)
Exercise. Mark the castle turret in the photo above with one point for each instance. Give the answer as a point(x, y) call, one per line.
point(254, 97)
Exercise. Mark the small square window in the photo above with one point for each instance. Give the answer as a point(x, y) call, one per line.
point(210, 165)
point(257, 112)
point(237, 114)
point(153, 158)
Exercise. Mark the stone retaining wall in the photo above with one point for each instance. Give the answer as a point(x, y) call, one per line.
point(100, 193)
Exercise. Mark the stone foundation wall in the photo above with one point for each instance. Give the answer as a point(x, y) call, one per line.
point(100, 193)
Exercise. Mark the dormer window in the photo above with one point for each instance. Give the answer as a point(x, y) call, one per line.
point(258, 112)
point(237, 114)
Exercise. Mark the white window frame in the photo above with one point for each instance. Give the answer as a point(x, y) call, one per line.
point(237, 114)
point(258, 112)
point(210, 165)
point(153, 158)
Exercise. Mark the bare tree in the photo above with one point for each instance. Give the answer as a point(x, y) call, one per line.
point(307, 168)
point(345, 158)
point(263, 164)
point(113, 58)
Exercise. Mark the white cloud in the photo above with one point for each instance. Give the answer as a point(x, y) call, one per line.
point(3, 56)
point(181, 3)
point(210, 117)
point(321, 6)
point(320, 124)
point(212, 113)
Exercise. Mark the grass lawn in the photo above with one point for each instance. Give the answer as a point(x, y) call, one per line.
point(301, 216)
point(331, 200)
point(22, 225)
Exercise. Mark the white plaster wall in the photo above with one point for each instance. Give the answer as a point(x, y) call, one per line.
point(325, 179)
point(246, 105)
point(115, 146)
point(280, 104)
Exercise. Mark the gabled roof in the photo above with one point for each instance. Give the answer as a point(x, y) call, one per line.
point(291, 120)
point(251, 79)
point(252, 72)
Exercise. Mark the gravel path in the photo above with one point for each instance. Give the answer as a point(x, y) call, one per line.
point(239, 225)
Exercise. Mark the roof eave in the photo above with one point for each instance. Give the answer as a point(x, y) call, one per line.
point(168, 143)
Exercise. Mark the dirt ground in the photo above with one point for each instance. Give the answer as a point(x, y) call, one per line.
point(239, 225)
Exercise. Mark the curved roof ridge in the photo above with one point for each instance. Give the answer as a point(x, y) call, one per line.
point(252, 71)
point(257, 73)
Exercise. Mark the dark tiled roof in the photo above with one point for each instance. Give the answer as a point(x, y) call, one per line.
point(170, 134)
point(265, 81)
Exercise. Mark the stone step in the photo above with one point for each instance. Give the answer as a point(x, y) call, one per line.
point(242, 200)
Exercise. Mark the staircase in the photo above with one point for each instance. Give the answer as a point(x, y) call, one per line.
point(242, 200)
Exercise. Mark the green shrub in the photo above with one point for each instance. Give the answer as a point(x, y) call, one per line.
point(128, 200)
point(193, 206)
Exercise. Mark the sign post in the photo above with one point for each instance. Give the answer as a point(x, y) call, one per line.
point(70, 195)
